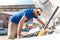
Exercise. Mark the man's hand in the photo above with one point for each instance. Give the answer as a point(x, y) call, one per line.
point(18, 37)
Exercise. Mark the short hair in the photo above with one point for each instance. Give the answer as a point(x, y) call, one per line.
point(39, 8)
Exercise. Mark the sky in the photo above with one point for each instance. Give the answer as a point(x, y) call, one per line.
point(15, 2)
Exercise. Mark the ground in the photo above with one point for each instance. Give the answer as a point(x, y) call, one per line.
point(4, 38)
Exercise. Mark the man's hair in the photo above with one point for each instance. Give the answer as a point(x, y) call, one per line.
point(39, 8)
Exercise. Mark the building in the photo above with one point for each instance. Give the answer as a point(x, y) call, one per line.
point(4, 19)
point(15, 7)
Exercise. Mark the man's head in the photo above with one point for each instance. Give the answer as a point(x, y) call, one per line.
point(37, 11)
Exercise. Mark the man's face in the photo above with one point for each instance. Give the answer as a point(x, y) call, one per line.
point(37, 12)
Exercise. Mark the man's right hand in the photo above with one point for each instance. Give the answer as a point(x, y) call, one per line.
point(18, 37)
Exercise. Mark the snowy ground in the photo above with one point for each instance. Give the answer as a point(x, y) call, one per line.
point(4, 38)
point(47, 37)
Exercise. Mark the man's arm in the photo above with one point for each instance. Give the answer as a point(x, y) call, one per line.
point(20, 25)
point(40, 21)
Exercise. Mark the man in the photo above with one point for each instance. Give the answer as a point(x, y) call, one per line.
point(16, 21)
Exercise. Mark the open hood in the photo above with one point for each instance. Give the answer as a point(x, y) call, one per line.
point(47, 8)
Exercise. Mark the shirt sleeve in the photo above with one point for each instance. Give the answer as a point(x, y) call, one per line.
point(27, 15)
